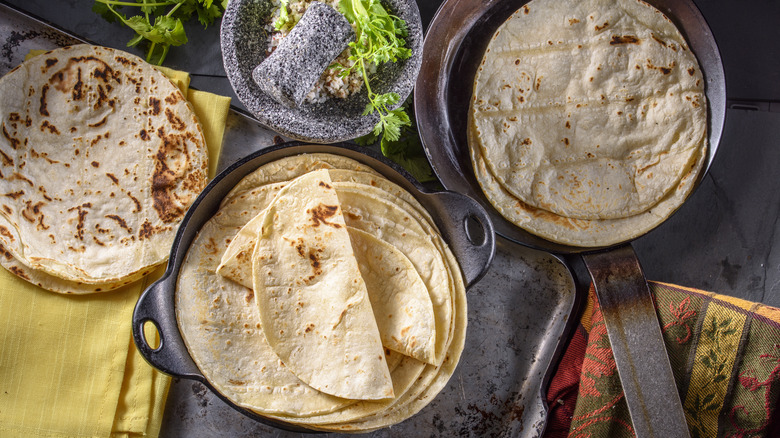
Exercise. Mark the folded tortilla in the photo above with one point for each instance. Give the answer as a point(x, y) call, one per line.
point(313, 302)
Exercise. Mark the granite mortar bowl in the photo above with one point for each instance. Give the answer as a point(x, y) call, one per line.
point(244, 42)
point(464, 224)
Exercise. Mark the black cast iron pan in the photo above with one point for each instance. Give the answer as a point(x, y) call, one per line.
point(463, 222)
point(453, 48)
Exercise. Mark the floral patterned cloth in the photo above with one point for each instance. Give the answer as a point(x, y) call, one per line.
point(724, 352)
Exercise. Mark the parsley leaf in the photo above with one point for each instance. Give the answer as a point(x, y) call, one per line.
point(406, 148)
point(379, 38)
point(160, 23)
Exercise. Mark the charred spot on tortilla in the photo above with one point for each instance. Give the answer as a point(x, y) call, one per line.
point(322, 213)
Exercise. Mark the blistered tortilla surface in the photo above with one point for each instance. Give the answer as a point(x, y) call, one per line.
point(313, 302)
point(590, 109)
point(100, 158)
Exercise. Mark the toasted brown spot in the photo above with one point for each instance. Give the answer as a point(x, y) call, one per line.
point(691, 71)
point(43, 106)
point(526, 141)
point(154, 104)
point(624, 39)
point(322, 213)
point(100, 123)
point(7, 234)
point(173, 98)
point(48, 126)
point(120, 221)
point(573, 21)
point(603, 26)
point(113, 178)
point(5, 253)
point(169, 182)
point(14, 144)
point(19, 272)
point(136, 202)
point(174, 120)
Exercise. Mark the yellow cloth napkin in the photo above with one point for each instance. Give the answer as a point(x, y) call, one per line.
point(68, 366)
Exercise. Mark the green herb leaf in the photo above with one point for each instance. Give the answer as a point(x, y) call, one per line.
point(284, 16)
point(379, 38)
point(168, 17)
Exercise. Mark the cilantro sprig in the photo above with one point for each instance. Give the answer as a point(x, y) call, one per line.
point(406, 150)
point(379, 38)
point(160, 23)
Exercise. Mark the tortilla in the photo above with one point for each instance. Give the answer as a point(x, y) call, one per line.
point(220, 324)
point(589, 109)
point(381, 213)
point(582, 232)
point(399, 297)
point(101, 158)
point(313, 302)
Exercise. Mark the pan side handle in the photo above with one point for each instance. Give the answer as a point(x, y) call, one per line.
point(156, 306)
point(637, 343)
point(468, 231)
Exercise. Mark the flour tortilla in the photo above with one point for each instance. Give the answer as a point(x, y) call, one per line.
point(288, 168)
point(582, 232)
point(399, 297)
point(588, 109)
point(220, 324)
point(432, 379)
point(377, 206)
point(414, 383)
point(101, 156)
point(313, 302)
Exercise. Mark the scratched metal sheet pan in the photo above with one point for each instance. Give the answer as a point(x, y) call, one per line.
point(518, 316)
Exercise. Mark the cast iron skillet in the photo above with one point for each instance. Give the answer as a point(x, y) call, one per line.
point(453, 48)
point(463, 222)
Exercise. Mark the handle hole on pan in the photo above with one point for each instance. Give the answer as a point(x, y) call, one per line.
point(151, 335)
point(475, 230)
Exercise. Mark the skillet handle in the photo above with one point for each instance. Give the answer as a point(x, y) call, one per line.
point(156, 306)
point(637, 343)
point(468, 231)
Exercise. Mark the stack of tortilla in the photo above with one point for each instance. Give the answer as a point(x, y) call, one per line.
point(100, 157)
point(588, 123)
point(321, 294)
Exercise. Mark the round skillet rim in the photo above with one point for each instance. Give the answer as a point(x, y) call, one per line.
point(156, 305)
point(450, 51)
